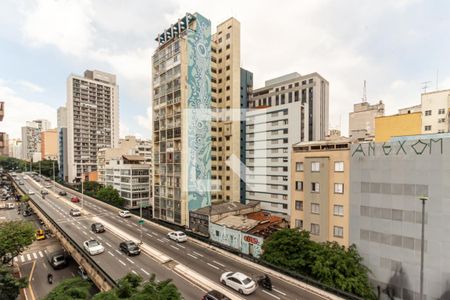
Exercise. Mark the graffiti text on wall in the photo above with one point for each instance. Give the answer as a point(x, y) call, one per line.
point(418, 147)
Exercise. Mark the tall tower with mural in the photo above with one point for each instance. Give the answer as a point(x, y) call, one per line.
point(181, 102)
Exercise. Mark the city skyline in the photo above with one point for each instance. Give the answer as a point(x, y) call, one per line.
point(38, 57)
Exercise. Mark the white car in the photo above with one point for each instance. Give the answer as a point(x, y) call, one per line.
point(178, 236)
point(93, 247)
point(48, 186)
point(239, 282)
point(124, 214)
point(75, 212)
point(30, 192)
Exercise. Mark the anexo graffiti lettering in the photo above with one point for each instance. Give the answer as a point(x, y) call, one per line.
point(399, 148)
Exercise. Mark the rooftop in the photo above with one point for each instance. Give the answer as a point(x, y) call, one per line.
point(224, 208)
point(240, 223)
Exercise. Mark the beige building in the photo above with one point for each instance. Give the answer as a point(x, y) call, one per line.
point(320, 189)
point(4, 143)
point(435, 112)
point(362, 120)
point(49, 144)
point(228, 101)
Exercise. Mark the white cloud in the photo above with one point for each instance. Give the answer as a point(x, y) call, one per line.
point(145, 122)
point(31, 86)
point(19, 110)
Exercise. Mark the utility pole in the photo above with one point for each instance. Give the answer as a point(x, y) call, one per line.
point(422, 245)
point(53, 166)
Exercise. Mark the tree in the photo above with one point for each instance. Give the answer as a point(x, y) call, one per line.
point(111, 196)
point(328, 263)
point(71, 289)
point(15, 236)
point(24, 198)
point(9, 285)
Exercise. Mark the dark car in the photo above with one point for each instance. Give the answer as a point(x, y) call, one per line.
point(97, 227)
point(62, 193)
point(215, 295)
point(130, 248)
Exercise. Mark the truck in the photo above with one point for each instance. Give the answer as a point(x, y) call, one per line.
point(56, 256)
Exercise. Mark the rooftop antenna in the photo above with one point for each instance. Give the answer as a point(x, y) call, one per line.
point(364, 97)
point(425, 86)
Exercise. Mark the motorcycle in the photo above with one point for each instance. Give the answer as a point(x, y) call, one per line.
point(265, 282)
point(50, 278)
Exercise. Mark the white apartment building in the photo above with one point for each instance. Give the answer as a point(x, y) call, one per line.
point(15, 148)
point(130, 176)
point(92, 119)
point(435, 112)
point(362, 120)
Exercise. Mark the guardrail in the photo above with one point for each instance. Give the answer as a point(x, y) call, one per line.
point(106, 282)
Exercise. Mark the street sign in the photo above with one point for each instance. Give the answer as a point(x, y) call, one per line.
point(141, 222)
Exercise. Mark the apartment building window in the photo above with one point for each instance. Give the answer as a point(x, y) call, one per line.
point(299, 205)
point(338, 210)
point(428, 128)
point(299, 224)
point(299, 166)
point(315, 208)
point(339, 166)
point(315, 187)
point(441, 120)
point(428, 113)
point(299, 185)
point(315, 166)
point(338, 188)
point(338, 231)
point(315, 229)
point(441, 111)
point(228, 36)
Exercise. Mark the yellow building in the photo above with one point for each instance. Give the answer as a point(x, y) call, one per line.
point(320, 173)
point(387, 127)
point(49, 144)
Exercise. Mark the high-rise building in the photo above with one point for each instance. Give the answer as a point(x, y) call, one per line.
point(62, 117)
point(362, 120)
point(320, 173)
point(436, 112)
point(310, 90)
point(49, 144)
point(42, 124)
point(15, 148)
point(31, 140)
point(230, 86)
point(4, 143)
point(181, 68)
point(388, 179)
point(288, 110)
point(2, 110)
point(92, 120)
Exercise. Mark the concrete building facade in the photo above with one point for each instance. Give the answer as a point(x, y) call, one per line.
point(387, 180)
point(181, 68)
point(4, 143)
point(31, 140)
point(92, 120)
point(61, 117)
point(49, 144)
point(362, 120)
point(15, 148)
point(320, 173)
point(62, 154)
point(400, 124)
point(435, 112)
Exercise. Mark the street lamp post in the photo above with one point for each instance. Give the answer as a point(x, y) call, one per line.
point(422, 246)
point(140, 218)
point(53, 166)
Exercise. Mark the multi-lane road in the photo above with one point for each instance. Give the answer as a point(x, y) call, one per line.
point(210, 263)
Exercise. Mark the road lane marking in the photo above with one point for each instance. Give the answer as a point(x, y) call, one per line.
point(111, 253)
point(213, 266)
point(118, 251)
point(134, 272)
point(84, 232)
point(130, 260)
point(122, 262)
point(100, 238)
point(28, 256)
point(160, 240)
point(201, 255)
point(149, 234)
point(145, 272)
point(276, 297)
point(174, 247)
point(278, 291)
point(181, 246)
point(218, 263)
point(108, 244)
point(40, 254)
point(192, 256)
point(34, 255)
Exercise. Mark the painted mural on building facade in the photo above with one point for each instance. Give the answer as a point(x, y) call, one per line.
point(418, 147)
point(199, 114)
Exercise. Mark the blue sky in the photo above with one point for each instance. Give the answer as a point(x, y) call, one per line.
point(394, 45)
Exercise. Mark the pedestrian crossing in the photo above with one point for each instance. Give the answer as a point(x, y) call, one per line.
point(29, 256)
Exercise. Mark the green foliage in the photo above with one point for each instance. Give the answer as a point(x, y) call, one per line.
point(71, 289)
point(9, 285)
point(111, 196)
point(91, 188)
point(131, 287)
point(329, 263)
point(24, 198)
point(14, 164)
point(15, 236)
